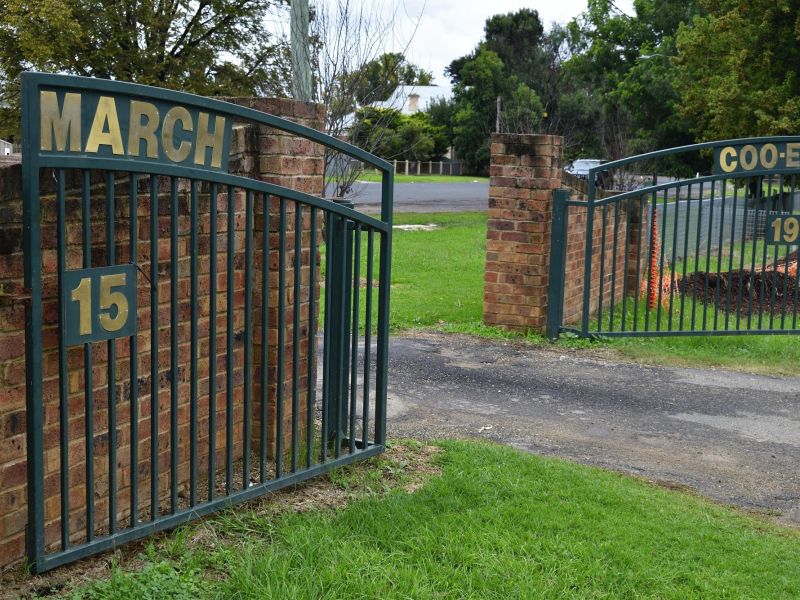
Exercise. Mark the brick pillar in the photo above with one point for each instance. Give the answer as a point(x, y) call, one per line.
point(297, 163)
point(525, 169)
point(257, 152)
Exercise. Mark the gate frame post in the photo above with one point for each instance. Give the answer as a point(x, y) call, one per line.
point(340, 230)
point(558, 258)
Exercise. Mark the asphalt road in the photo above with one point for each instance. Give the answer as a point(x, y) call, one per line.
point(734, 437)
point(424, 197)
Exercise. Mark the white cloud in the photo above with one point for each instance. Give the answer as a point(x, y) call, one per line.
point(448, 29)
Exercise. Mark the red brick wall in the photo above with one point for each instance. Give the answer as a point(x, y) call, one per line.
point(524, 171)
point(576, 261)
point(257, 153)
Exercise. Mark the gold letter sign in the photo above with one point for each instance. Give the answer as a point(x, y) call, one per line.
point(119, 126)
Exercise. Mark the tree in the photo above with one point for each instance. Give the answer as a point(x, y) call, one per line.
point(378, 79)
point(481, 81)
point(621, 75)
point(739, 69)
point(207, 46)
point(514, 62)
point(347, 36)
point(441, 113)
point(395, 136)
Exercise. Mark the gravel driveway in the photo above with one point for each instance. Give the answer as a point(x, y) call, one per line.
point(731, 436)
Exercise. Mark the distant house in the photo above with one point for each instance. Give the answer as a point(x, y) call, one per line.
point(6, 148)
point(410, 99)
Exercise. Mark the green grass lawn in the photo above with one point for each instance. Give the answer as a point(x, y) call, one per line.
point(437, 276)
point(496, 523)
point(437, 282)
point(399, 178)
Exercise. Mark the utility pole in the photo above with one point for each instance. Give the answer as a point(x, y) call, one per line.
point(497, 120)
point(301, 57)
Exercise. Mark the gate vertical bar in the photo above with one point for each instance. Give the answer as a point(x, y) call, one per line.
point(193, 342)
point(281, 323)
point(339, 248)
point(155, 384)
point(367, 338)
point(342, 296)
point(558, 257)
point(587, 276)
point(327, 341)
point(248, 337)
point(112, 364)
point(297, 271)
point(31, 215)
point(614, 260)
point(87, 364)
point(212, 345)
point(601, 284)
point(173, 349)
point(312, 327)
point(384, 278)
point(134, 355)
point(264, 339)
point(354, 335)
point(685, 251)
point(229, 308)
point(62, 361)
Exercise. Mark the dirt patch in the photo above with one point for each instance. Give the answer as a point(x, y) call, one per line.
point(772, 290)
point(745, 292)
point(417, 227)
point(404, 466)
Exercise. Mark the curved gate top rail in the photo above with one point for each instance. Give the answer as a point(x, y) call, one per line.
point(151, 103)
point(174, 338)
point(714, 254)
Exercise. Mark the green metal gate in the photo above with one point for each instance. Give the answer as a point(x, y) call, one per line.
point(176, 314)
point(713, 254)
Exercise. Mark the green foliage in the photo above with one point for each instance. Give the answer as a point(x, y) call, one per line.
point(621, 74)
point(379, 78)
point(441, 113)
point(481, 81)
point(739, 68)
point(154, 581)
point(512, 63)
point(392, 135)
point(219, 47)
point(523, 111)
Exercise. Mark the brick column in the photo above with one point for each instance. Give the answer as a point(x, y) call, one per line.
point(525, 169)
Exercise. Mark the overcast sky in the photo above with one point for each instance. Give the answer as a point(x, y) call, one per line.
point(451, 28)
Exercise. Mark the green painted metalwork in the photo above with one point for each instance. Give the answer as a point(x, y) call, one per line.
point(721, 259)
point(166, 147)
point(558, 257)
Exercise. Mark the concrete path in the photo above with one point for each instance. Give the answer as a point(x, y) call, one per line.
point(733, 437)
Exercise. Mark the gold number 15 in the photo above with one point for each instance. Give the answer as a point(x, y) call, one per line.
point(82, 294)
